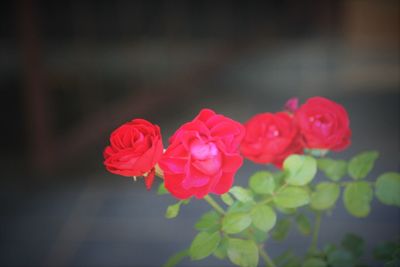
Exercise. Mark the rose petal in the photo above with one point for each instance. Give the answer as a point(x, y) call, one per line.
point(224, 184)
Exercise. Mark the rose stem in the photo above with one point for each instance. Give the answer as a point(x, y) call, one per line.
point(214, 204)
point(316, 231)
point(266, 257)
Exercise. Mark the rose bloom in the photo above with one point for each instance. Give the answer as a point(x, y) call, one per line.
point(203, 156)
point(270, 138)
point(324, 124)
point(135, 148)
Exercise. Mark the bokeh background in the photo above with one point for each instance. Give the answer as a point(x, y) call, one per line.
point(72, 71)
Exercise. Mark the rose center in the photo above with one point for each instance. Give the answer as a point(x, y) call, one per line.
point(205, 157)
point(321, 123)
point(273, 131)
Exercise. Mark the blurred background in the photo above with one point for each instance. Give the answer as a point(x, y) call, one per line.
point(72, 71)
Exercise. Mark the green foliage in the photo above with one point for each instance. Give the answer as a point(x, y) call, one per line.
point(210, 221)
point(292, 197)
point(262, 183)
point(221, 251)
point(357, 198)
point(316, 152)
point(204, 244)
point(388, 188)
point(258, 235)
point(285, 257)
point(303, 224)
point(360, 165)
point(333, 169)
point(314, 262)
point(287, 211)
point(238, 206)
point(299, 169)
point(227, 199)
point(263, 217)
point(162, 190)
point(389, 253)
point(386, 251)
point(251, 219)
point(353, 244)
point(241, 194)
point(325, 196)
point(340, 258)
point(236, 222)
point(293, 262)
point(281, 229)
point(173, 210)
point(243, 252)
point(176, 258)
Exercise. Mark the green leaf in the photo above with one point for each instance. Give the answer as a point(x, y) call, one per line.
point(333, 169)
point(221, 251)
point(300, 169)
point(279, 178)
point(243, 252)
point(385, 250)
point(292, 197)
point(293, 262)
point(262, 183)
point(303, 224)
point(258, 235)
point(281, 229)
point(227, 199)
point(235, 222)
point(314, 262)
point(287, 211)
point(329, 248)
point(208, 222)
point(204, 244)
point(316, 152)
point(388, 188)
point(238, 206)
point(263, 217)
point(357, 198)
point(284, 257)
point(354, 244)
point(325, 196)
point(176, 258)
point(340, 258)
point(362, 164)
point(162, 190)
point(173, 210)
point(241, 194)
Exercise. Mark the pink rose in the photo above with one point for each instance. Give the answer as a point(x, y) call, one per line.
point(203, 156)
point(270, 138)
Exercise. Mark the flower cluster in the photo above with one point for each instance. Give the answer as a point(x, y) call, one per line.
point(203, 155)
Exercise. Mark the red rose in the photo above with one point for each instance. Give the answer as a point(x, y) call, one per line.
point(324, 124)
point(270, 138)
point(203, 156)
point(135, 148)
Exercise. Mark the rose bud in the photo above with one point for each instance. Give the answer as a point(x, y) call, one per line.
point(134, 150)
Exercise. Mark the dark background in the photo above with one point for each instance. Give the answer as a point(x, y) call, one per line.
point(72, 71)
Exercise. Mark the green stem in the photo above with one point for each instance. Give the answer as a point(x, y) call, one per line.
point(266, 201)
point(269, 262)
point(317, 226)
point(214, 204)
